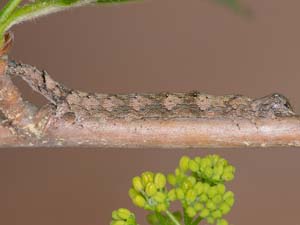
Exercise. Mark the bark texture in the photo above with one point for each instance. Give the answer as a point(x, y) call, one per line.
point(166, 120)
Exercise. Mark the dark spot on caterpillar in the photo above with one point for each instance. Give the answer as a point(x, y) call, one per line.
point(287, 105)
point(194, 94)
point(69, 117)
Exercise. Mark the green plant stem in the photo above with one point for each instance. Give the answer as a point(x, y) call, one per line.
point(197, 221)
point(7, 10)
point(172, 217)
point(187, 220)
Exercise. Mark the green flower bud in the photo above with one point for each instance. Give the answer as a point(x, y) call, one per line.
point(161, 207)
point(229, 169)
point(147, 177)
point(227, 176)
point(137, 183)
point(217, 214)
point(186, 184)
point(222, 162)
point(219, 169)
point(172, 195)
point(228, 194)
point(178, 172)
point(214, 158)
point(229, 198)
point(206, 162)
point(193, 166)
point(208, 172)
point(203, 198)
point(139, 201)
point(222, 222)
point(148, 207)
point(132, 193)
point(225, 208)
point(151, 189)
point(123, 213)
point(230, 201)
point(210, 220)
point(199, 187)
point(131, 220)
point(216, 178)
point(179, 193)
point(197, 160)
point(160, 180)
point(160, 197)
point(204, 213)
point(190, 195)
point(190, 212)
point(198, 206)
point(217, 199)
point(114, 215)
point(118, 222)
point(212, 191)
point(184, 163)
point(221, 188)
point(192, 180)
point(206, 187)
point(210, 205)
point(172, 179)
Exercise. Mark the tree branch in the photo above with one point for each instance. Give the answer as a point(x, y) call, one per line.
point(167, 120)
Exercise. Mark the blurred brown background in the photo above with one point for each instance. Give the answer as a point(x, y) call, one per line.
point(152, 46)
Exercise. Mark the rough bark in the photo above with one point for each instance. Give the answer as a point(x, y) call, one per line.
point(166, 120)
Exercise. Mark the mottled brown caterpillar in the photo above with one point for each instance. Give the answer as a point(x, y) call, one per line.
point(146, 105)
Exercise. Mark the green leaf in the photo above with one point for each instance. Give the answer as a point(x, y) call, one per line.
point(236, 6)
point(112, 1)
point(71, 2)
point(57, 2)
point(68, 2)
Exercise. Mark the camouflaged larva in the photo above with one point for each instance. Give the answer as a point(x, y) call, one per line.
point(179, 105)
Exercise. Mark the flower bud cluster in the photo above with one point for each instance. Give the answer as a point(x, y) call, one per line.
point(200, 192)
point(123, 216)
point(211, 169)
point(149, 191)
